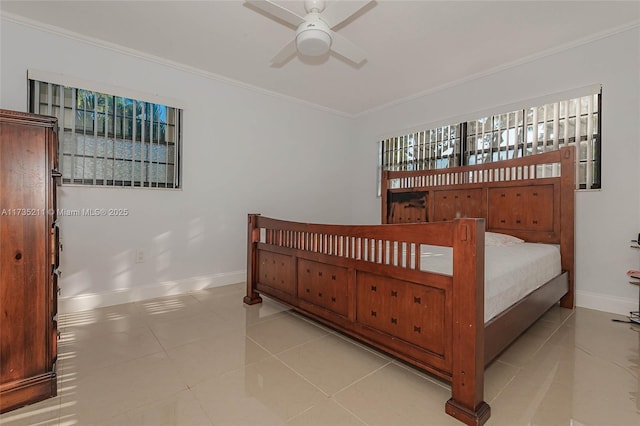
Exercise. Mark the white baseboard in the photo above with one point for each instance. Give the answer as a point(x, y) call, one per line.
point(83, 302)
point(606, 303)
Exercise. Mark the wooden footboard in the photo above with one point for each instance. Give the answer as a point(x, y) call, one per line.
point(367, 282)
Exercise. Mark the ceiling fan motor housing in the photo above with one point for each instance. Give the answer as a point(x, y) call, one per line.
point(313, 37)
point(314, 34)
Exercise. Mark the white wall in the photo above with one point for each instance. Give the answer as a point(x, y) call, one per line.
point(244, 151)
point(606, 220)
point(240, 144)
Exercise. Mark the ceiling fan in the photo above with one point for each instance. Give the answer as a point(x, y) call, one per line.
point(314, 34)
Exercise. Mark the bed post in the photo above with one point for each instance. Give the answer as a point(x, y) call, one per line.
point(253, 236)
point(467, 382)
point(384, 192)
point(567, 224)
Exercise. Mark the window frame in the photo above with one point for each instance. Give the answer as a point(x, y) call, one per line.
point(525, 146)
point(121, 154)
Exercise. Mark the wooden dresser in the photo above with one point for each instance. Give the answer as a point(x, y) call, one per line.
point(28, 258)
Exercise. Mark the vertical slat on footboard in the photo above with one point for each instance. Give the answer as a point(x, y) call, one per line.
point(467, 383)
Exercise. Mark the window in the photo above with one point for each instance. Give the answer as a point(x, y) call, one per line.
point(107, 140)
point(430, 149)
point(513, 134)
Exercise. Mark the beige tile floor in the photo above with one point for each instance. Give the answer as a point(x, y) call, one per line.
point(206, 359)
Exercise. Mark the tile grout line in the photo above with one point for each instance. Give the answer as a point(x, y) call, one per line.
point(425, 376)
point(329, 396)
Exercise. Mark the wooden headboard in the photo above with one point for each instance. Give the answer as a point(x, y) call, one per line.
point(531, 198)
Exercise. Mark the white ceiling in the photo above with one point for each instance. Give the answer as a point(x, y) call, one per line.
point(412, 46)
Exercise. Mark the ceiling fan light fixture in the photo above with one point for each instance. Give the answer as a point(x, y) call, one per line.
point(313, 42)
point(314, 31)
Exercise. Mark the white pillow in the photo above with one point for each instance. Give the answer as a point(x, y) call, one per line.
point(500, 240)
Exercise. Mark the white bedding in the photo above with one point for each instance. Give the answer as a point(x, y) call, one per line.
point(511, 272)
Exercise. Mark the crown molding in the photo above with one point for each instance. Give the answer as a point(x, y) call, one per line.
point(52, 29)
point(17, 19)
point(527, 59)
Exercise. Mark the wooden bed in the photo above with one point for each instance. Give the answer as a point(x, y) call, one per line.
point(366, 280)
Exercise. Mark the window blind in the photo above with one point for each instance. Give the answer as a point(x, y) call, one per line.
point(540, 129)
point(109, 140)
point(429, 149)
point(513, 134)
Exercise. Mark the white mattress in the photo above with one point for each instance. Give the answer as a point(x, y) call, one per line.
point(511, 272)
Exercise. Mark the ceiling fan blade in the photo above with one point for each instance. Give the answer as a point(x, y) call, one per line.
point(278, 11)
point(339, 11)
point(285, 54)
point(345, 48)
